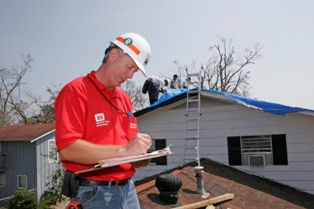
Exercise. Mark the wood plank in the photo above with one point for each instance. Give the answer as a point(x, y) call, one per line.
point(210, 201)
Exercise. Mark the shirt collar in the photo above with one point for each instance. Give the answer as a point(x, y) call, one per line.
point(100, 86)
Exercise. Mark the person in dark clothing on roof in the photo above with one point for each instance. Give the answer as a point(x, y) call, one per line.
point(153, 85)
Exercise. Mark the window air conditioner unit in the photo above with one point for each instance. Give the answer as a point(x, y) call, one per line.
point(257, 160)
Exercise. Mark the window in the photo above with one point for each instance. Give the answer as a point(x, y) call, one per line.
point(258, 150)
point(152, 149)
point(2, 159)
point(252, 144)
point(52, 151)
point(22, 182)
point(158, 144)
point(2, 180)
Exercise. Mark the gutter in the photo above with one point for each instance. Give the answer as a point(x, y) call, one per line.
point(43, 135)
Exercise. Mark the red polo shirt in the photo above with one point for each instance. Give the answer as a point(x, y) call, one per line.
point(83, 112)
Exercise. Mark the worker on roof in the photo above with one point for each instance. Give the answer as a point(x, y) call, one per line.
point(154, 85)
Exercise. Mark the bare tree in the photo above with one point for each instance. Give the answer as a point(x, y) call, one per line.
point(139, 101)
point(44, 112)
point(224, 71)
point(12, 107)
point(180, 70)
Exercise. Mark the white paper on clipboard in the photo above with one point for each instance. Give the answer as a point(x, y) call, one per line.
point(129, 159)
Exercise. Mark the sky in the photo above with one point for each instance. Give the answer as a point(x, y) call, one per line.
point(67, 39)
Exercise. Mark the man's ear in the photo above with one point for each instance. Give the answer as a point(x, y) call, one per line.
point(114, 53)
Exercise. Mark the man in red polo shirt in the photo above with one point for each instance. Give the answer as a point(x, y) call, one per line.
point(94, 121)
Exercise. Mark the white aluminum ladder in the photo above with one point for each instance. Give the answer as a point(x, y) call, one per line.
point(193, 113)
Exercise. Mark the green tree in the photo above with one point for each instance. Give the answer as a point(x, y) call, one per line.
point(23, 199)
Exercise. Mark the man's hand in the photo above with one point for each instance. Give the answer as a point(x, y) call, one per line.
point(138, 145)
point(141, 164)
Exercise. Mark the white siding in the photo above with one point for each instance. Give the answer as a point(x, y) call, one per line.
point(45, 170)
point(220, 120)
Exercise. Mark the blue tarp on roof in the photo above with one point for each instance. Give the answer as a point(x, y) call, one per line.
point(274, 108)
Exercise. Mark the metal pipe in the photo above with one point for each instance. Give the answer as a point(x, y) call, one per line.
point(199, 178)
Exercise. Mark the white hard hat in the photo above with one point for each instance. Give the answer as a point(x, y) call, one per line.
point(136, 47)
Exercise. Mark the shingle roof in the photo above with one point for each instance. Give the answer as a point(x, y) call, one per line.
point(24, 132)
point(250, 191)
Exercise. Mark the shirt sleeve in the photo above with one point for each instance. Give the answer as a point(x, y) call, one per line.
point(70, 109)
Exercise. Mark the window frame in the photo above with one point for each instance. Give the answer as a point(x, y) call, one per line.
point(2, 180)
point(158, 144)
point(152, 149)
point(277, 155)
point(257, 149)
point(52, 151)
point(19, 177)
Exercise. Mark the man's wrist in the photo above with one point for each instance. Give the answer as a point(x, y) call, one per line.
point(121, 150)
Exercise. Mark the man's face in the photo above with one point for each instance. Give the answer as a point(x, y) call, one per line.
point(122, 68)
point(175, 77)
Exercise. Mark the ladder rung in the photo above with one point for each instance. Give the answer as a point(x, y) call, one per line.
point(190, 147)
point(192, 109)
point(191, 137)
point(192, 119)
point(193, 74)
point(193, 100)
point(191, 159)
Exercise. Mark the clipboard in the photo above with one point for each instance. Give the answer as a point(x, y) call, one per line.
point(129, 159)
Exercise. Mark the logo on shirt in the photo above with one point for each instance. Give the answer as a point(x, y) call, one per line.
point(133, 125)
point(100, 120)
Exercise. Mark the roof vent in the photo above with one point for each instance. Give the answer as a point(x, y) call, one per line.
point(168, 186)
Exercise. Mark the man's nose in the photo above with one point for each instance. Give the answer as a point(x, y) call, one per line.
point(131, 73)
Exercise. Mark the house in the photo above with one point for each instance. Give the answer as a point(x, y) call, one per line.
point(249, 191)
point(27, 158)
point(266, 139)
